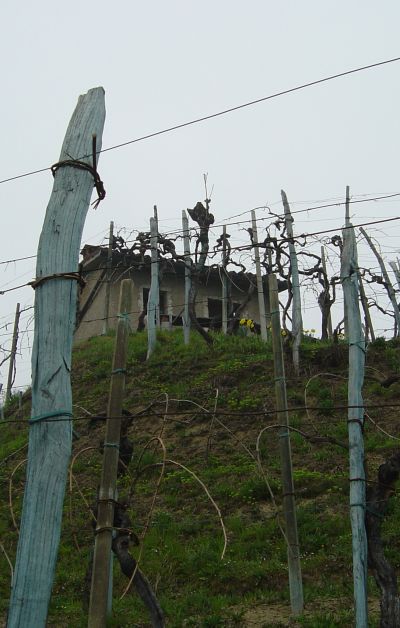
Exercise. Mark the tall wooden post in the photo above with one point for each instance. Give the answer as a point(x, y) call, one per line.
point(50, 433)
point(188, 283)
point(260, 287)
point(349, 279)
point(289, 502)
point(154, 293)
point(396, 269)
point(224, 280)
point(157, 296)
point(107, 492)
point(297, 321)
point(369, 329)
point(108, 279)
point(388, 283)
point(13, 352)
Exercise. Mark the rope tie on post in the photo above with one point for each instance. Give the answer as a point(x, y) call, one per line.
point(48, 415)
point(76, 276)
point(82, 165)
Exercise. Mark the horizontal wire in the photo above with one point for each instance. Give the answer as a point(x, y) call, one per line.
point(221, 113)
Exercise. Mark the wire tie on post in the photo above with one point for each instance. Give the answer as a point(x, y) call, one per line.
point(48, 415)
point(116, 371)
point(116, 445)
point(357, 505)
point(284, 435)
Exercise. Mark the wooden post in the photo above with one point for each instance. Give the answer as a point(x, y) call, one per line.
point(154, 293)
point(323, 262)
point(349, 279)
point(395, 268)
point(107, 492)
point(289, 502)
point(108, 279)
point(260, 287)
point(369, 330)
point(389, 287)
point(186, 245)
point(158, 313)
point(13, 352)
point(224, 279)
point(297, 321)
point(1, 403)
point(50, 433)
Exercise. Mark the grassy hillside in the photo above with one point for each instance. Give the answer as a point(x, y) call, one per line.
point(174, 396)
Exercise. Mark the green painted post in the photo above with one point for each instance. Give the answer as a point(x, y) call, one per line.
point(297, 321)
point(188, 281)
point(154, 293)
point(355, 337)
point(388, 284)
point(260, 287)
point(50, 434)
point(108, 485)
point(289, 501)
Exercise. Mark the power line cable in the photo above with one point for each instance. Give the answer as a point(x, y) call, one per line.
point(220, 113)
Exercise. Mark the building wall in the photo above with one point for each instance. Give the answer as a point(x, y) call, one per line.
point(93, 323)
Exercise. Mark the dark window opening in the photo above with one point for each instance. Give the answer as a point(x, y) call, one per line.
point(163, 300)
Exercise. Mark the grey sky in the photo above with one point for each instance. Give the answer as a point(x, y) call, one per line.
point(162, 63)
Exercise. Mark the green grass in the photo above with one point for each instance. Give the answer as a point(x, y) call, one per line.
point(182, 548)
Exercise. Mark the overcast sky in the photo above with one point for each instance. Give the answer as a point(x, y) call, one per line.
point(163, 63)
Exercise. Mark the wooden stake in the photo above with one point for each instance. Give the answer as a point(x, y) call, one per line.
point(389, 287)
point(107, 492)
point(186, 248)
point(297, 321)
point(154, 293)
point(289, 502)
point(224, 279)
point(369, 330)
point(260, 288)
point(50, 433)
point(108, 279)
point(13, 352)
point(349, 279)
point(157, 296)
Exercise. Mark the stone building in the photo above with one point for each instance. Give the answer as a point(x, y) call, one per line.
point(136, 266)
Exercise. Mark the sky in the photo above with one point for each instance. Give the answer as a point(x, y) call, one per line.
point(165, 63)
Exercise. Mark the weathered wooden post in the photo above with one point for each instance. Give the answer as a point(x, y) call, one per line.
point(349, 279)
point(13, 352)
point(369, 329)
point(396, 269)
point(388, 283)
point(260, 287)
point(289, 501)
point(108, 279)
point(186, 250)
point(154, 292)
point(224, 280)
point(297, 321)
point(50, 434)
point(107, 492)
point(157, 296)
